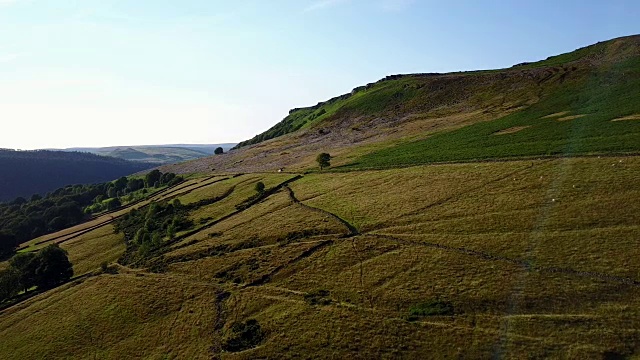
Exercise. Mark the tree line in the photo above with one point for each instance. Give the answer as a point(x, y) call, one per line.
point(41, 171)
point(146, 229)
point(24, 219)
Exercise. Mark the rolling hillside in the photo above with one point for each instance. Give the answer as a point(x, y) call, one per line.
point(583, 102)
point(489, 214)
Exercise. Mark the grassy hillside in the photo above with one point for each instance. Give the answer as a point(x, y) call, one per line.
point(591, 115)
point(490, 214)
point(569, 104)
point(534, 257)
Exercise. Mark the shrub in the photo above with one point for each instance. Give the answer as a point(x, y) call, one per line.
point(318, 297)
point(243, 336)
point(108, 269)
point(113, 204)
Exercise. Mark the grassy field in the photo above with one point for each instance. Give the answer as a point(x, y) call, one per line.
point(89, 251)
point(116, 317)
point(533, 257)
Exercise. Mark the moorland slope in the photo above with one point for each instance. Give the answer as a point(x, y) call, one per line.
point(531, 256)
point(583, 102)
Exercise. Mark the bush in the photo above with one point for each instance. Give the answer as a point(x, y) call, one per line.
point(323, 160)
point(243, 336)
point(318, 297)
point(430, 308)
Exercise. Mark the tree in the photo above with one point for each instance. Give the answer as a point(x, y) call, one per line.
point(25, 264)
point(53, 267)
point(7, 243)
point(9, 283)
point(134, 184)
point(153, 178)
point(323, 160)
point(218, 151)
point(113, 204)
point(166, 178)
point(260, 187)
point(19, 201)
point(121, 183)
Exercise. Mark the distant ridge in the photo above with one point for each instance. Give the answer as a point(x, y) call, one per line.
point(156, 154)
point(25, 173)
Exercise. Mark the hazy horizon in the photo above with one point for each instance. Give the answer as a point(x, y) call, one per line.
point(103, 73)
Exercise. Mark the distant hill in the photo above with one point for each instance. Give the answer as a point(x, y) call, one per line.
point(157, 154)
point(24, 173)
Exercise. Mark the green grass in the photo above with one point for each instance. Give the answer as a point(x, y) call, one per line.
point(605, 95)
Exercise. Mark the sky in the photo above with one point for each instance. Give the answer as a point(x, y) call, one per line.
point(91, 73)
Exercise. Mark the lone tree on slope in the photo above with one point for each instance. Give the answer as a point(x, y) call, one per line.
point(218, 151)
point(323, 160)
point(53, 267)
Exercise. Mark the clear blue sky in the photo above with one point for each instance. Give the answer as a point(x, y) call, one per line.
point(123, 72)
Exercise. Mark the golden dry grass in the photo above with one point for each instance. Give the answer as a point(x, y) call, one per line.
point(369, 198)
point(554, 115)
point(266, 223)
point(627, 118)
point(113, 317)
point(89, 251)
point(538, 258)
point(571, 117)
point(244, 187)
point(511, 130)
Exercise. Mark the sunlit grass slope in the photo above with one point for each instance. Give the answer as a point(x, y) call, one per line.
point(116, 317)
point(570, 104)
point(575, 118)
point(393, 256)
point(536, 258)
